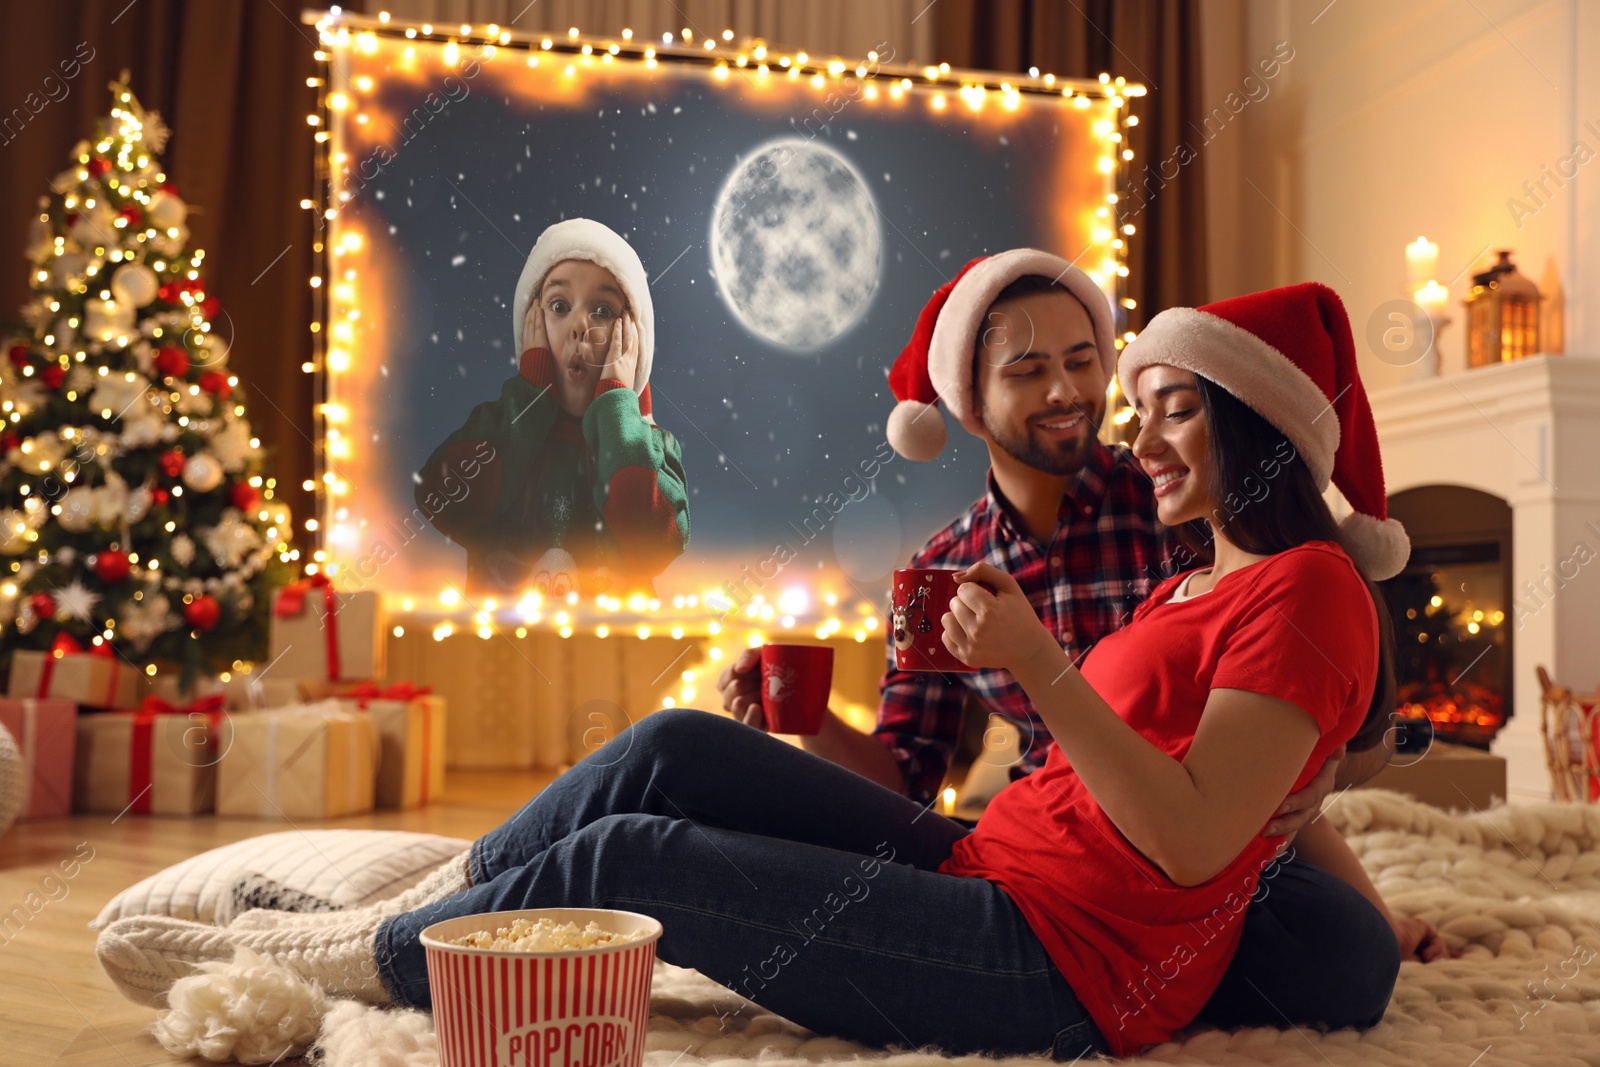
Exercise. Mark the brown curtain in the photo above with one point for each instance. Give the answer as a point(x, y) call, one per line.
point(1153, 42)
point(229, 78)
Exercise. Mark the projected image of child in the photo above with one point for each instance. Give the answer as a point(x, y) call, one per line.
point(565, 483)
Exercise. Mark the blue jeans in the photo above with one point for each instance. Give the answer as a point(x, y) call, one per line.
point(814, 893)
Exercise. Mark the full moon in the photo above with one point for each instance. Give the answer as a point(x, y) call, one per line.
point(795, 243)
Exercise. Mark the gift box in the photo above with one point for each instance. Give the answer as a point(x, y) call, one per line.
point(157, 759)
point(410, 724)
point(46, 732)
point(239, 693)
point(96, 678)
point(308, 761)
point(318, 632)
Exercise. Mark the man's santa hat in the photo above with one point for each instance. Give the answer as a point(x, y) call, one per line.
point(936, 364)
point(601, 245)
point(1288, 354)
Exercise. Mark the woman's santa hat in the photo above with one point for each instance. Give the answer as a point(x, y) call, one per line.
point(1288, 354)
point(936, 363)
point(601, 245)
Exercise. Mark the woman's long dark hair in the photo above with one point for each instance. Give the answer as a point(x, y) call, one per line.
point(1267, 502)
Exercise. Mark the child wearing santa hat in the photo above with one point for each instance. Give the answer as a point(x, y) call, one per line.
point(566, 475)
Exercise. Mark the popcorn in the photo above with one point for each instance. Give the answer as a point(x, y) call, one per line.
point(545, 935)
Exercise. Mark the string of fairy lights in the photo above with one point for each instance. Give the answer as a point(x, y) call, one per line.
point(731, 622)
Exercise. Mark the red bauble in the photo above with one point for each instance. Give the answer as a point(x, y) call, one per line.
point(43, 605)
point(132, 214)
point(160, 496)
point(8, 441)
point(19, 355)
point(172, 464)
point(203, 612)
point(112, 565)
point(170, 292)
point(53, 375)
point(99, 165)
point(243, 496)
point(211, 306)
point(216, 383)
point(173, 360)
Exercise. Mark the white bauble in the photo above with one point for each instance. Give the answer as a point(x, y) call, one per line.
point(105, 320)
point(112, 501)
point(232, 444)
point(80, 508)
point(134, 284)
point(67, 268)
point(202, 473)
point(170, 244)
point(166, 211)
point(138, 505)
point(182, 549)
point(13, 532)
point(95, 228)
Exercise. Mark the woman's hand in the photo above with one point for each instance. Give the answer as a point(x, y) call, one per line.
point(1420, 941)
point(990, 622)
point(622, 354)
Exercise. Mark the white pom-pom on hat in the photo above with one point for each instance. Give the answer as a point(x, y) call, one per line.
point(916, 430)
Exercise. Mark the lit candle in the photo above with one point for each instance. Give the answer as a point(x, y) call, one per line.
point(949, 798)
point(1432, 298)
point(1422, 261)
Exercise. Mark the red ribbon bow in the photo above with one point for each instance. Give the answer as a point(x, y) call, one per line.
point(66, 645)
point(292, 601)
point(141, 763)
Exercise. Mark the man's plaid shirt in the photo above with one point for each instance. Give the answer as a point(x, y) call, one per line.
point(1108, 552)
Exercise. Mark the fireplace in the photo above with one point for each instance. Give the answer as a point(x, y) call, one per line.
point(1461, 453)
point(1453, 614)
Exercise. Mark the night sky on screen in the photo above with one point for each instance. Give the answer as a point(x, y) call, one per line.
point(766, 428)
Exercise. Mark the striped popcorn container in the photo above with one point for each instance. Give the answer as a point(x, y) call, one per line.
point(579, 1007)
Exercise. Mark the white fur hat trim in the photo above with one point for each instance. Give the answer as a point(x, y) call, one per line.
point(1246, 366)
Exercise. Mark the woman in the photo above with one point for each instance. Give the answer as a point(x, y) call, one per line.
point(1098, 901)
point(566, 476)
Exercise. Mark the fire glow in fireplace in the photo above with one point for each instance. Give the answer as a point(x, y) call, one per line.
point(1452, 615)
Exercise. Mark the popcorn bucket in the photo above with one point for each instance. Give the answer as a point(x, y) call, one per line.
point(578, 1007)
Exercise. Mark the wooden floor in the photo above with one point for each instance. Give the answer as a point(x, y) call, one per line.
point(56, 1005)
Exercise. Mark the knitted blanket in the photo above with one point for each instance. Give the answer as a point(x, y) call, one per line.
point(1517, 889)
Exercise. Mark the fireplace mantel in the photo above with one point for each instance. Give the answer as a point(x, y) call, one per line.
point(1529, 433)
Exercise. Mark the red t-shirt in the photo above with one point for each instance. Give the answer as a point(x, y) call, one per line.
point(1142, 953)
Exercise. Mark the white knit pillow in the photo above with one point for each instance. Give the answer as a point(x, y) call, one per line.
point(13, 782)
point(347, 867)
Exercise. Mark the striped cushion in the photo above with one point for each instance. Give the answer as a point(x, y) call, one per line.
point(347, 867)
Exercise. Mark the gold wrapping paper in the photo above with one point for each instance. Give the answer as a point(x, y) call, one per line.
point(181, 774)
point(411, 742)
point(311, 761)
point(84, 679)
point(299, 645)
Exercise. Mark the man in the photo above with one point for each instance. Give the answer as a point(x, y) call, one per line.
point(1019, 347)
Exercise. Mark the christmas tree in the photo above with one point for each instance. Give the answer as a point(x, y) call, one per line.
point(134, 511)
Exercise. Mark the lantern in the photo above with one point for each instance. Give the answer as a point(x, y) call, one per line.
point(1502, 315)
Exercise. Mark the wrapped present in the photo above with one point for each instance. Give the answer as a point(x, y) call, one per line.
point(157, 759)
point(46, 731)
point(410, 722)
point(96, 677)
point(239, 692)
point(320, 633)
point(308, 761)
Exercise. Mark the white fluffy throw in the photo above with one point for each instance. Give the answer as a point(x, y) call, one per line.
point(1517, 889)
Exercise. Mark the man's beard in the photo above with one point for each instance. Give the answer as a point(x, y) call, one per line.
point(1024, 449)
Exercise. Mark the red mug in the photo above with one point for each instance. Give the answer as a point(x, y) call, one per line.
point(917, 603)
point(795, 680)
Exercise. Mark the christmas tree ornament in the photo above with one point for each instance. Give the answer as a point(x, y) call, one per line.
point(166, 211)
point(18, 356)
point(134, 284)
point(106, 320)
point(183, 549)
point(138, 503)
point(160, 497)
point(172, 463)
point(13, 532)
point(112, 566)
point(43, 605)
point(202, 473)
point(173, 361)
point(76, 601)
point(203, 612)
point(53, 376)
point(78, 510)
point(216, 383)
point(243, 496)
